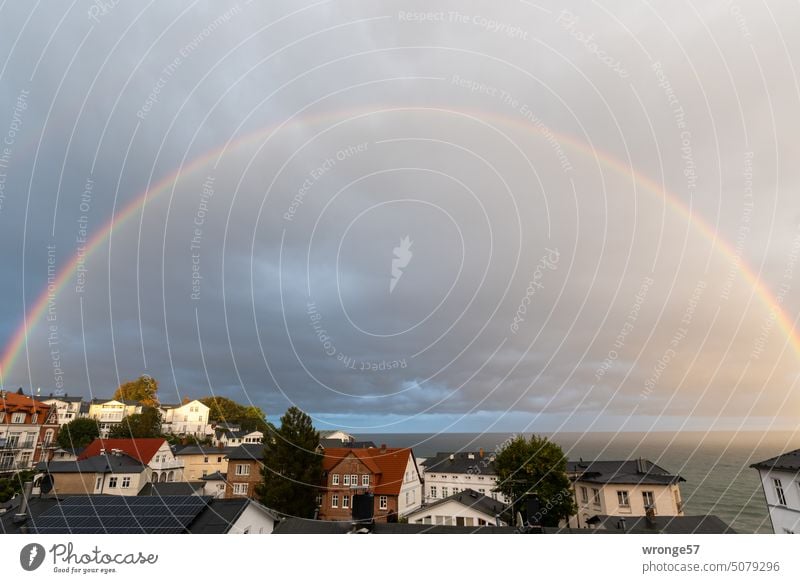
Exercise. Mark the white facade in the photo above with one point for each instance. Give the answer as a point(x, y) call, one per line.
point(440, 485)
point(453, 513)
point(782, 494)
point(410, 497)
point(624, 500)
point(68, 409)
point(187, 419)
point(110, 413)
point(164, 466)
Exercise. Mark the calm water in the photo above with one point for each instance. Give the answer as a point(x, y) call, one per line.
point(716, 465)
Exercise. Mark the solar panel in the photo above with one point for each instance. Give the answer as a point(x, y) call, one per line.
point(121, 514)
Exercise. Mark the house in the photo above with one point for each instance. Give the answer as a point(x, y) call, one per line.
point(780, 481)
point(449, 473)
point(69, 408)
point(232, 438)
point(113, 473)
point(153, 452)
point(214, 484)
point(334, 443)
point(185, 419)
point(28, 430)
point(464, 508)
point(623, 488)
point(244, 470)
point(336, 435)
point(702, 524)
point(111, 412)
point(97, 515)
point(390, 474)
point(202, 460)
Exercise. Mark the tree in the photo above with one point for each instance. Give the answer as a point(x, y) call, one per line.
point(292, 471)
point(13, 484)
point(78, 433)
point(144, 424)
point(536, 466)
point(226, 410)
point(143, 390)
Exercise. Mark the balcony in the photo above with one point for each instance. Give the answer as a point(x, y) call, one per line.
point(17, 444)
point(13, 466)
point(166, 465)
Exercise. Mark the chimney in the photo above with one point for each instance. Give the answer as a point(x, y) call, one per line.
point(640, 466)
point(480, 451)
point(383, 447)
point(21, 516)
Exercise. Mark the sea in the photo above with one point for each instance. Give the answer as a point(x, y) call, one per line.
point(715, 465)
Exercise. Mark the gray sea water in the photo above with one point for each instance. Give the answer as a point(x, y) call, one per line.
point(716, 466)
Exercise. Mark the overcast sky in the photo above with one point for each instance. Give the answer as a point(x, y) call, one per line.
point(404, 219)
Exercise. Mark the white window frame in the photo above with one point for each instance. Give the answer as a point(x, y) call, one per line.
point(240, 489)
point(335, 479)
point(596, 497)
point(623, 499)
point(112, 482)
point(584, 495)
point(354, 479)
point(18, 418)
point(242, 469)
point(383, 502)
point(649, 499)
point(345, 501)
point(365, 480)
point(335, 501)
point(780, 494)
point(346, 480)
point(126, 482)
point(433, 491)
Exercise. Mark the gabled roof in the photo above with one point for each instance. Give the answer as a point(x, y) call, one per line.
point(701, 524)
point(469, 498)
point(142, 449)
point(389, 465)
point(639, 471)
point(216, 476)
point(788, 462)
point(247, 451)
point(208, 450)
point(462, 462)
point(12, 402)
point(98, 464)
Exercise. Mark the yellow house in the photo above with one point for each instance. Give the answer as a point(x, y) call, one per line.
point(203, 460)
point(111, 412)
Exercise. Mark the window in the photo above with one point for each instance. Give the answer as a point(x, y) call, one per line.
point(112, 482)
point(354, 480)
point(779, 491)
point(48, 437)
point(318, 500)
point(335, 501)
point(584, 495)
point(596, 496)
point(205, 473)
point(480, 477)
point(126, 482)
point(242, 469)
point(345, 501)
point(407, 498)
point(18, 418)
point(205, 460)
point(347, 479)
point(622, 498)
point(335, 479)
point(482, 491)
point(98, 483)
point(649, 500)
point(34, 418)
point(383, 502)
point(433, 491)
point(240, 489)
point(2, 416)
point(365, 480)
point(445, 492)
point(219, 459)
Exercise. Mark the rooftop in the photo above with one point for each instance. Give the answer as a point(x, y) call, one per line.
point(789, 462)
point(471, 499)
point(98, 464)
point(639, 471)
point(388, 464)
point(701, 524)
point(463, 462)
point(142, 449)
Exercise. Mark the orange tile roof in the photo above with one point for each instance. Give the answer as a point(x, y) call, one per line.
point(388, 465)
point(12, 402)
point(142, 449)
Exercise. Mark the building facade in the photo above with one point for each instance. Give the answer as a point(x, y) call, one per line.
point(780, 481)
point(186, 419)
point(446, 474)
point(200, 461)
point(466, 508)
point(110, 412)
point(28, 431)
point(69, 408)
point(623, 488)
point(153, 452)
point(244, 471)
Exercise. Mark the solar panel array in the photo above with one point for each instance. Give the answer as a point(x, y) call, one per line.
point(121, 515)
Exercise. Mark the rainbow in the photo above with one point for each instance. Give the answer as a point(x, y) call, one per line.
point(18, 341)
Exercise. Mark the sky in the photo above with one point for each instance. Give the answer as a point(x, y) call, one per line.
point(402, 218)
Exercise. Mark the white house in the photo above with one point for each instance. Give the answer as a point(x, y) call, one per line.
point(68, 408)
point(230, 438)
point(623, 488)
point(466, 508)
point(450, 473)
point(185, 419)
point(780, 480)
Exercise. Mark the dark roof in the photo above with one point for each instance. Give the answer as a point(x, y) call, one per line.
point(216, 476)
point(639, 471)
point(461, 463)
point(172, 489)
point(63, 398)
point(328, 443)
point(97, 514)
point(123, 401)
point(305, 526)
point(247, 451)
point(472, 499)
point(98, 464)
point(701, 524)
point(208, 450)
point(789, 462)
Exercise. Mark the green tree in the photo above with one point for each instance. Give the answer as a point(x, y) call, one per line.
point(13, 484)
point(536, 466)
point(226, 410)
point(143, 390)
point(78, 433)
point(144, 424)
point(292, 472)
